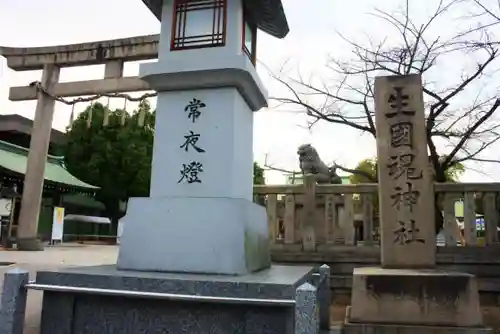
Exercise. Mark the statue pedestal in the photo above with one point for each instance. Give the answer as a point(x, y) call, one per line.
point(413, 301)
point(223, 236)
point(355, 328)
point(102, 299)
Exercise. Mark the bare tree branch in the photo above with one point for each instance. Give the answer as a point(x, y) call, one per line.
point(489, 11)
point(362, 173)
point(268, 166)
point(471, 130)
point(459, 128)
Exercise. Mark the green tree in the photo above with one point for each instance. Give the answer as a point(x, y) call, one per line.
point(115, 157)
point(258, 174)
point(259, 179)
point(366, 172)
point(454, 173)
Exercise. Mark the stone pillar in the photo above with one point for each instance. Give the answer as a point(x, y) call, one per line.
point(402, 297)
point(324, 297)
point(306, 315)
point(13, 305)
point(405, 185)
point(35, 170)
point(113, 69)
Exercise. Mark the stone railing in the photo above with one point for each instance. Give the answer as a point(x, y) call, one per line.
point(312, 217)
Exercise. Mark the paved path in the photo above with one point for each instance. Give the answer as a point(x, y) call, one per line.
point(53, 258)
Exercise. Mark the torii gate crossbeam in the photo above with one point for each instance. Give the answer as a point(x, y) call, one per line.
point(113, 54)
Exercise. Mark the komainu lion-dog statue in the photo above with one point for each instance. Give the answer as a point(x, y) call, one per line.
point(310, 163)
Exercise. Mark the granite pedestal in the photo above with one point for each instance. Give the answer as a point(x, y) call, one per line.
point(371, 328)
point(413, 301)
point(206, 235)
point(103, 299)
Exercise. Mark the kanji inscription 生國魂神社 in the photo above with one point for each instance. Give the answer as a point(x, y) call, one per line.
point(405, 182)
point(398, 103)
point(401, 165)
point(401, 134)
point(407, 233)
point(407, 197)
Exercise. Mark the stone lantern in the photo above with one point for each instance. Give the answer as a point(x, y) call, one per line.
point(200, 207)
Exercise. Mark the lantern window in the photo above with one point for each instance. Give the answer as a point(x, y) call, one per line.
point(250, 39)
point(199, 24)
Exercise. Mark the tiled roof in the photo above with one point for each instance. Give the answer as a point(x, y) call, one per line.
point(15, 159)
point(268, 15)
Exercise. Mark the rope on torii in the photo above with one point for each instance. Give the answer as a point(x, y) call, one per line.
point(124, 112)
point(71, 102)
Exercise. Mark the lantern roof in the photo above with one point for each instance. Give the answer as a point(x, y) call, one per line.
point(268, 15)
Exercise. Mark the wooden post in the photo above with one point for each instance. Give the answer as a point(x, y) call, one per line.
point(35, 170)
point(272, 216)
point(491, 218)
point(289, 219)
point(11, 218)
point(330, 218)
point(113, 69)
point(450, 221)
point(348, 220)
point(309, 214)
point(470, 232)
point(367, 218)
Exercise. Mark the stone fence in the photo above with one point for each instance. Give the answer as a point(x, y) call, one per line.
point(338, 225)
point(312, 217)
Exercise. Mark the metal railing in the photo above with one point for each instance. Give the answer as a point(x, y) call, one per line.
point(160, 295)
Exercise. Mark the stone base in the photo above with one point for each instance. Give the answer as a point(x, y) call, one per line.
point(29, 244)
point(194, 235)
point(414, 297)
point(354, 328)
point(107, 311)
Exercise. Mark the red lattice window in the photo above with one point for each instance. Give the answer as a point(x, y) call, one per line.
point(199, 24)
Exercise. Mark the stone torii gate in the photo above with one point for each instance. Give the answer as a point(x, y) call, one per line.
point(113, 54)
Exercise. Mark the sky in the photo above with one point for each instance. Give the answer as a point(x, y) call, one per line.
point(278, 131)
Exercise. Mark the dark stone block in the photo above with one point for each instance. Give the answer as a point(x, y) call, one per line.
point(398, 329)
point(278, 282)
point(57, 313)
point(373, 328)
point(90, 312)
point(104, 314)
point(13, 302)
point(445, 289)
